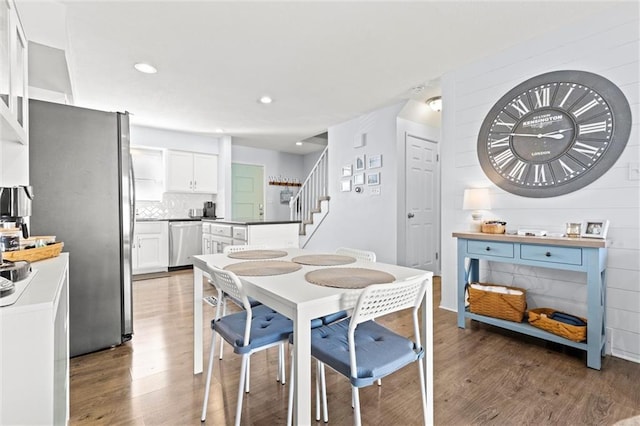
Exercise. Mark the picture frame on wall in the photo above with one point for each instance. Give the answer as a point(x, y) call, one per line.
point(345, 185)
point(595, 228)
point(373, 178)
point(346, 170)
point(360, 164)
point(358, 179)
point(375, 161)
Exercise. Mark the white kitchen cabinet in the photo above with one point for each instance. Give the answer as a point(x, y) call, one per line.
point(207, 244)
point(191, 172)
point(216, 235)
point(34, 349)
point(150, 247)
point(14, 108)
point(148, 167)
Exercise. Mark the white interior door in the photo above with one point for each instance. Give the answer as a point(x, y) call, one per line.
point(422, 203)
point(247, 195)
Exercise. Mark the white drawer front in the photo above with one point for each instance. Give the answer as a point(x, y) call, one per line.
point(240, 232)
point(221, 230)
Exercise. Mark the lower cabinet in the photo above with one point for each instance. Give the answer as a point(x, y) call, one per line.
point(34, 349)
point(150, 247)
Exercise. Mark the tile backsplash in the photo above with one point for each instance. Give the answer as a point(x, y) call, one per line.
point(172, 206)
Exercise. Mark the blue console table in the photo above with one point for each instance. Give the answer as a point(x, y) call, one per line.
point(573, 254)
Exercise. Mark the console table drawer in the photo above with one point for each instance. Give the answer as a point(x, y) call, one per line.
point(490, 248)
point(551, 254)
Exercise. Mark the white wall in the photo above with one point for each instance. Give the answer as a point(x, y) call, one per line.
point(275, 164)
point(607, 44)
point(363, 220)
point(170, 139)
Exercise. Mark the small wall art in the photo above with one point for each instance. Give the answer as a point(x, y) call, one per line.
point(360, 164)
point(345, 185)
point(375, 161)
point(346, 170)
point(373, 178)
point(358, 179)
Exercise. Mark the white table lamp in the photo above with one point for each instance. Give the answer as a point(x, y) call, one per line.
point(476, 199)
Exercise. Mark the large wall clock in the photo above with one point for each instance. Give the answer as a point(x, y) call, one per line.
point(554, 133)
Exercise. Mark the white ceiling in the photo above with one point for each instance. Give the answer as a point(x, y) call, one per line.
point(322, 62)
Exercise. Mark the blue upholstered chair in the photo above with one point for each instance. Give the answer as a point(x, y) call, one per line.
point(365, 351)
point(248, 331)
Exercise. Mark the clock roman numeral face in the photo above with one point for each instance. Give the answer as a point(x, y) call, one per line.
point(549, 134)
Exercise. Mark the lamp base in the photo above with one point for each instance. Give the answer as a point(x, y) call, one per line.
point(476, 222)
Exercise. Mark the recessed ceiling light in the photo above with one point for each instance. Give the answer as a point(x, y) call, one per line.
point(145, 68)
point(265, 99)
point(299, 143)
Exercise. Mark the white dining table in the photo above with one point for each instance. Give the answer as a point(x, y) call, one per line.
point(291, 295)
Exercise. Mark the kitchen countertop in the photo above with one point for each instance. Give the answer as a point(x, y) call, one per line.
point(249, 221)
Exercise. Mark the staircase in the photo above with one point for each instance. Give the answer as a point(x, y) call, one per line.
point(311, 205)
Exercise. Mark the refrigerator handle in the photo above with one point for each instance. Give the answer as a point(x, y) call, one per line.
point(132, 194)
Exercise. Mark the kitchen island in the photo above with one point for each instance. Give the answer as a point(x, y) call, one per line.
point(219, 233)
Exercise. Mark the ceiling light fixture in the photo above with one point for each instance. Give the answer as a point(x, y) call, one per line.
point(299, 143)
point(145, 68)
point(265, 99)
point(435, 103)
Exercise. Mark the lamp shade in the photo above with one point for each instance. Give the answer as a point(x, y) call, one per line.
point(476, 199)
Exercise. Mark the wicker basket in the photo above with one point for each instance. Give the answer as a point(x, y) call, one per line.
point(539, 317)
point(493, 228)
point(34, 254)
point(509, 307)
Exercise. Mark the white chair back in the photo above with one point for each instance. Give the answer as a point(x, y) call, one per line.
point(229, 283)
point(233, 249)
point(357, 253)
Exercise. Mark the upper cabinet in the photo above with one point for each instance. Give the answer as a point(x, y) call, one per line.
point(148, 168)
point(191, 172)
point(14, 111)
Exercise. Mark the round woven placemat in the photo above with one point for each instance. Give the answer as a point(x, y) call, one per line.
point(262, 268)
point(324, 259)
point(348, 277)
point(257, 254)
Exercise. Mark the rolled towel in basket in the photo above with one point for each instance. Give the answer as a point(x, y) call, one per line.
point(567, 319)
point(496, 289)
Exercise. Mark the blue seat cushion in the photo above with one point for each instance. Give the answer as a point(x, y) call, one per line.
point(252, 302)
point(328, 319)
point(267, 327)
point(379, 351)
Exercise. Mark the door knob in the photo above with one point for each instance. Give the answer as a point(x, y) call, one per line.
point(410, 215)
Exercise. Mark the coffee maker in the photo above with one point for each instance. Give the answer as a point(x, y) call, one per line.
point(15, 207)
point(209, 209)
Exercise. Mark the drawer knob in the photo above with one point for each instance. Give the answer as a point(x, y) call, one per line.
point(548, 254)
point(488, 248)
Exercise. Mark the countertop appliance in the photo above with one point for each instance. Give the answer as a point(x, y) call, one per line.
point(15, 206)
point(80, 169)
point(209, 209)
point(185, 241)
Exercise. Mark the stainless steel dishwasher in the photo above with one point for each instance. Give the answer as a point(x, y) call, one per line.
point(185, 241)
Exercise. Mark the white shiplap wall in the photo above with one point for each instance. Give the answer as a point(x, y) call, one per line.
point(607, 44)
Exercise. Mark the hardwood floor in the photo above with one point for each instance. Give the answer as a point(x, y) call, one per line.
point(483, 375)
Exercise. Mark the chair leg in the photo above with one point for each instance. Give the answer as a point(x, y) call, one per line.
point(247, 375)
point(323, 386)
point(208, 383)
point(317, 391)
point(243, 372)
point(291, 390)
point(379, 382)
point(224, 312)
point(357, 421)
point(423, 390)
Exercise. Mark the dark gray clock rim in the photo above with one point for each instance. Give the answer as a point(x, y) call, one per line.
point(620, 115)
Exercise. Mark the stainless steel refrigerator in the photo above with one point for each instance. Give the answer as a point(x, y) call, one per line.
point(80, 169)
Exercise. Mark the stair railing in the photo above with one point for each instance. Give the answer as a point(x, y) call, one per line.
point(313, 189)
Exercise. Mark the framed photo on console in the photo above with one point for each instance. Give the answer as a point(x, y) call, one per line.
point(595, 229)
